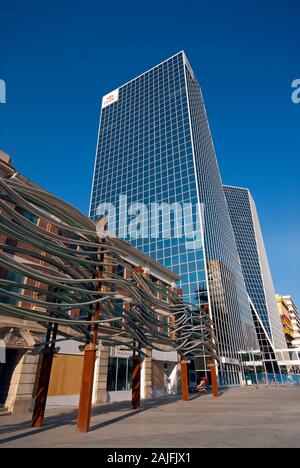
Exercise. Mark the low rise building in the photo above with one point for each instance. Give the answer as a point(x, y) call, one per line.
point(294, 316)
point(286, 321)
point(160, 374)
point(291, 326)
point(19, 374)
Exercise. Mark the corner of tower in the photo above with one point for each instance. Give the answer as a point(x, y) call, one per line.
point(188, 65)
point(244, 189)
point(183, 53)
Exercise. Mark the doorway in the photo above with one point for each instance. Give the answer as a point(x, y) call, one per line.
point(13, 357)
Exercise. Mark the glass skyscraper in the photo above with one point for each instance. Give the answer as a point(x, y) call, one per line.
point(155, 158)
point(255, 265)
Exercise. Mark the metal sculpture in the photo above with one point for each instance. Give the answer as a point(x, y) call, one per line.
point(70, 283)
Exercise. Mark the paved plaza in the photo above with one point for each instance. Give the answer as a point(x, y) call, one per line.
point(239, 418)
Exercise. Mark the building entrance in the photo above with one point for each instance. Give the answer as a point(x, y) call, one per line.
point(13, 357)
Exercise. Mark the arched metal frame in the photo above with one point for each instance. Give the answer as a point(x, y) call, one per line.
point(68, 266)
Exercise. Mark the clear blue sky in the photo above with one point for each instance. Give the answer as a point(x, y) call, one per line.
point(59, 57)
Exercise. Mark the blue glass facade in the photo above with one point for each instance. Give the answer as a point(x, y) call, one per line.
point(255, 264)
point(155, 147)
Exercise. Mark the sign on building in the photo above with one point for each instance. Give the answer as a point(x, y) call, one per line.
point(120, 352)
point(227, 360)
point(110, 98)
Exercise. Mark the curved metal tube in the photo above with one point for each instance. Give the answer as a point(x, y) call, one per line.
point(61, 263)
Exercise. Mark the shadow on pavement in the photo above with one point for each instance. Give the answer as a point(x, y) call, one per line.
point(69, 418)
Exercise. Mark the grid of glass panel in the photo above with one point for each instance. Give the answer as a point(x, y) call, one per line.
point(149, 142)
point(254, 262)
point(145, 153)
point(230, 307)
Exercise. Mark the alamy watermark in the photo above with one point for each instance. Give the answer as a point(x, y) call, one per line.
point(296, 92)
point(2, 92)
point(2, 352)
point(157, 221)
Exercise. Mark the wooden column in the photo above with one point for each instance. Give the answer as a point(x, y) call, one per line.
point(214, 380)
point(136, 371)
point(86, 391)
point(136, 383)
point(184, 369)
point(87, 381)
point(42, 388)
point(184, 380)
point(44, 378)
point(88, 372)
point(46, 358)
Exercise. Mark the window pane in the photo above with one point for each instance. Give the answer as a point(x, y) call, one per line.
point(129, 379)
point(111, 375)
point(122, 374)
point(12, 276)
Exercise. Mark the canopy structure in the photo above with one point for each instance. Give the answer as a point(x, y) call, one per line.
point(69, 277)
point(61, 271)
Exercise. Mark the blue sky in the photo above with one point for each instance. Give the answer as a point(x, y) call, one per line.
point(59, 58)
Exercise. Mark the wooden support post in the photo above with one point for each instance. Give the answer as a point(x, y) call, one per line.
point(44, 378)
point(214, 380)
point(88, 372)
point(42, 388)
point(136, 382)
point(87, 380)
point(86, 391)
point(136, 370)
point(184, 381)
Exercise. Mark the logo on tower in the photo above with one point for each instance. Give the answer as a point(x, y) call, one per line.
point(110, 98)
point(2, 92)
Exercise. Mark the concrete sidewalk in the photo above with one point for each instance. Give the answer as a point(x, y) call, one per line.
point(239, 418)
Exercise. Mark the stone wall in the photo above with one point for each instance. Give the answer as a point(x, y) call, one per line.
point(19, 399)
point(101, 396)
point(147, 376)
